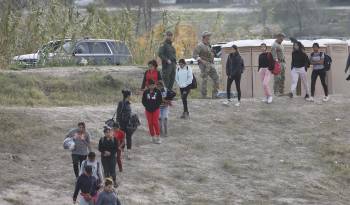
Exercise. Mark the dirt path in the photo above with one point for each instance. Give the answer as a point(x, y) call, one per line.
point(255, 154)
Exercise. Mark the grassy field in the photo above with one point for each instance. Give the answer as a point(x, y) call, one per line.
point(290, 152)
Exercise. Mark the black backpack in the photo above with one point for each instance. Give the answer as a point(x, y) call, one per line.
point(170, 95)
point(327, 62)
point(134, 123)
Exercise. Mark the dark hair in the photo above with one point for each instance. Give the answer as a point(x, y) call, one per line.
point(91, 155)
point(106, 129)
point(316, 45)
point(182, 61)
point(151, 82)
point(153, 62)
point(81, 124)
point(236, 48)
point(300, 45)
point(108, 181)
point(126, 93)
point(88, 169)
point(263, 44)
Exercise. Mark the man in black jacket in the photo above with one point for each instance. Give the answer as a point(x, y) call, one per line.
point(87, 184)
point(234, 70)
point(167, 54)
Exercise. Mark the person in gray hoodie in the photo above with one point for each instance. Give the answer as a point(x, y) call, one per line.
point(82, 146)
point(108, 195)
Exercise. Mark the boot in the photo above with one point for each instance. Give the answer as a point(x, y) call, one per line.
point(187, 115)
point(165, 124)
point(183, 116)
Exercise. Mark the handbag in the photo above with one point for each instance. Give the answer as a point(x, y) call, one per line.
point(276, 68)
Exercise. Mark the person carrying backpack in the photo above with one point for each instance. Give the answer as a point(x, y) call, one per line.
point(96, 167)
point(151, 74)
point(151, 100)
point(124, 113)
point(108, 147)
point(81, 139)
point(108, 195)
point(266, 65)
point(317, 61)
point(184, 78)
point(234, 70)
point(87, 186)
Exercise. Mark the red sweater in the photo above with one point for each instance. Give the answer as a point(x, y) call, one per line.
point(151, 74)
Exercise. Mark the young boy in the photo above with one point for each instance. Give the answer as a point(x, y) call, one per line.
point(96, 167)
point(87, 186)
point(119, 135)
point(164, 110)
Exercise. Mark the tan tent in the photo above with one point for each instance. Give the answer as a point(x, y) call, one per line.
point(250, 50)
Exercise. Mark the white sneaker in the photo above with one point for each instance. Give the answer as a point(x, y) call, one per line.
point(227, 102)
point(127, 154)
point(310, 99)
point(269, 100)
point(238, 104)
point(158, 140)
point(230, 100)
point(265, 99)
point(325, 99)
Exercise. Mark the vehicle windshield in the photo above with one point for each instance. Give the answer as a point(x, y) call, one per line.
point(54, 46)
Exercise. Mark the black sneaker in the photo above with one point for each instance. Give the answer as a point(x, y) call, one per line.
point(290, 95)
point(307, 96)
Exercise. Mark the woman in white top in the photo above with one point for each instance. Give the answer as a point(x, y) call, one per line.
point(184, 79)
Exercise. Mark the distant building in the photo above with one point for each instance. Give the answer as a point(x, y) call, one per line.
point(167, 1)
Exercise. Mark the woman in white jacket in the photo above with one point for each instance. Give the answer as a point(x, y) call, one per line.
point(184, 79)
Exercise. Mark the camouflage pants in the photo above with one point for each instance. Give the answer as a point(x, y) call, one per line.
point(208, 70)
point(278, 84)
point(168, 74)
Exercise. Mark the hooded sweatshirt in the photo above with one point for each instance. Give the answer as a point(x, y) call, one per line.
point(107, 198)
point(234, 65)
point(152, 100)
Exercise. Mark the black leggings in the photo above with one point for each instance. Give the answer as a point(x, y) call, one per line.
point(77, 160)
point(184, 94)
point(314, 75)
point(128, 134)
point(109, 164)
point(237, 80)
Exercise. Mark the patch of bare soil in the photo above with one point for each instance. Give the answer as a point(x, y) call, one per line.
point(290, 152)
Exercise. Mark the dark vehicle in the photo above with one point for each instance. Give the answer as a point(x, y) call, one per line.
point(83, 52)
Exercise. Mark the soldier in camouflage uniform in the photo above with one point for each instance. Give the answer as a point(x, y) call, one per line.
point(205, 57)
point(278, 55)
point(167, 54)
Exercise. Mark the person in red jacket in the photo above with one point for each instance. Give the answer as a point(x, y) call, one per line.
point(151, 74)
point(151, 100)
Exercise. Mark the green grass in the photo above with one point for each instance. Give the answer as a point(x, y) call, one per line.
point(82, 89)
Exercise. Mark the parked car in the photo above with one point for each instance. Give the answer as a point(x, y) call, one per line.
point(85, 51)
point(216, 48)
